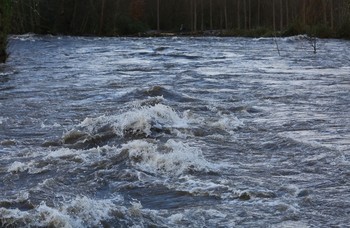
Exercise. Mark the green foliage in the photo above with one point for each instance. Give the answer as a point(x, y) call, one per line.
point(295, 28)
point(320, 30)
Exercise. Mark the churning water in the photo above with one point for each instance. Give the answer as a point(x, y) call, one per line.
point(174, 132)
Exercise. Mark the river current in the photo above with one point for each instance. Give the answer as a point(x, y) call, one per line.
point(174, 132)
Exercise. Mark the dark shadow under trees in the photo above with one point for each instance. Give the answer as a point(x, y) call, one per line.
point(5, 13)
point(328, 18)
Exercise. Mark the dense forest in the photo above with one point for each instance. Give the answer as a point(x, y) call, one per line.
point(322, 18)
point(5, 14)
point(325, 18)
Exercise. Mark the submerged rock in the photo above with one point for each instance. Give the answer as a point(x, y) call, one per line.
point(244, 196)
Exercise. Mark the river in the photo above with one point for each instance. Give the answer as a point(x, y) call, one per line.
point(174, 132)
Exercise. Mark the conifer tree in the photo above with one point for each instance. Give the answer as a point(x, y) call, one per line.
point(5, 13)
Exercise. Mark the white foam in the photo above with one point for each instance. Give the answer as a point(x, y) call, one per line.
point(63, 152)
point(9, 217)
point(176, 218)
point(204, 188)
point(31, 167)
point(84, 155)
point(43, 125)
point(216, 213)
point(138, 120)
point(79, 212)
point(201, 217)
point(3, 119)
point(17, 167)
point(135, 208)
point(173, 158)
point(161, 114)
point(295, 38)
point(24, 37)
point(55, 218)
point(22, 196)
point(291, 224)
point(227, 123)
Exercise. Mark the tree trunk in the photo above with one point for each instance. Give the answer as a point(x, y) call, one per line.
point(238, 14)
point(324, 6)
point(101, 16)
point(72, 21)
point(245, 14)
point(225, 13)
point(202, 16)
point(18, 18)
point(273, 15)
point(287, 14)
point(249, 14)
point(281, 15)
point(331, 14)
point(304, 12)
point(31, 9)
point(259, 11)
point(211, 14)
point(195, 15)
point(191, 15)
point(158, 16)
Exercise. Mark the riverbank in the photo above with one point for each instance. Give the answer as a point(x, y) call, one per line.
point(294, 30)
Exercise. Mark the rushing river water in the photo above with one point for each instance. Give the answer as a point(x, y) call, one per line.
point(174, 132)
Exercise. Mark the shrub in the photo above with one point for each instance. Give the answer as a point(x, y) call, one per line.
point(344, 30)
point(320, 30)
point(295, 28)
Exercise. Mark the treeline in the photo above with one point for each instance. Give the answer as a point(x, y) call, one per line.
point(324, 18)
point(5, 17)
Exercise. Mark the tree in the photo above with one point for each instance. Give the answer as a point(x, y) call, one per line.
point(225, 13)
point(274, 16)
point(259, 11)
point(281, 14)
point(238, 14)
point(158, 15)
point(304, 11)
point(211, 14)
point(287, 13)
point(5, 14)
point(194, 2)
point(102, 15)
point(112, 17)
point(137, 9)
point(331, 14)
point(245, 14)
point(202, 16)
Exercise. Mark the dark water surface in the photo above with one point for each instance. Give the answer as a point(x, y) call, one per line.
point(174, 132)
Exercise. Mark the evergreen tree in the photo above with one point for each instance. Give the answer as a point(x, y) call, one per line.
point(5, 13)
point(237, 17)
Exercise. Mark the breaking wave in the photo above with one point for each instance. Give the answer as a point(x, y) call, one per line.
point(142, 122)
